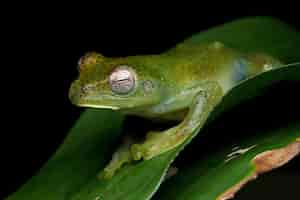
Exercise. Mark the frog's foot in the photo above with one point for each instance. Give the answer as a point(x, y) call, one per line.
point(119, 158)
point(157, 143)
point(160, 142)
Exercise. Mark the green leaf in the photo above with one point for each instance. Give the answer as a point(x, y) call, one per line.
point(232, 165)
point(71, 173)
point(84, 152)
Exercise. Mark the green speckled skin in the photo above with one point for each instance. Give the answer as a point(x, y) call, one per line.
point(187, 82)
point(172, 73)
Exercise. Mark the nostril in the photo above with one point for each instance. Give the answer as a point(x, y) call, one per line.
point(85, 89)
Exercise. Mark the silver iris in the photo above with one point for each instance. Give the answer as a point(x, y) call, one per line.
point(122, 80)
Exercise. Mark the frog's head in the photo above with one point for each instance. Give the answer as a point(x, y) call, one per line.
point(115, 83)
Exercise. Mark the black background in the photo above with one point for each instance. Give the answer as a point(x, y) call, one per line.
point(44, 61)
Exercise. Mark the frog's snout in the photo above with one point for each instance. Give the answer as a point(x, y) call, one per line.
point(75, 93)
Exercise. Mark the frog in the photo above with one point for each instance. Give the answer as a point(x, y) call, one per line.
point(183, 84)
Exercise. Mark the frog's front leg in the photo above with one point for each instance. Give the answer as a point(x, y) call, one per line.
point(205, 100)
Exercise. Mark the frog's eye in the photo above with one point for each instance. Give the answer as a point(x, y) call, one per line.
point(122, 80)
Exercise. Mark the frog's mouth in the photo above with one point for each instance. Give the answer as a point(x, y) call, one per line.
point(98, 106)
point(81, 101)
point(79, 98)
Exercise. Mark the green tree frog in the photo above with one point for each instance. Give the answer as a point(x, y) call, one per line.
point(183, 84)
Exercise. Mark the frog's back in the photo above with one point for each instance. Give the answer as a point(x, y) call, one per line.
point(201, 63)
point(215, 62)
